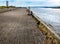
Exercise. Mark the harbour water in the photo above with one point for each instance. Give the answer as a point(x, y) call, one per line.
point(50, 16)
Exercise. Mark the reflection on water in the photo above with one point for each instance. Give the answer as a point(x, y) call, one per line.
point(50, 16)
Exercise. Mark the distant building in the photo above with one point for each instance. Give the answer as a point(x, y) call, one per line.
point(7, 4)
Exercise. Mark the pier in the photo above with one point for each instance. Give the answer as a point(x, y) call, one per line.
point(18, 26)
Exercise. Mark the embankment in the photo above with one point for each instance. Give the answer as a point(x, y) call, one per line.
point(51, 36)
point(6, 9)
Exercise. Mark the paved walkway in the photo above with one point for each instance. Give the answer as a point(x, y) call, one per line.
point(16, 27)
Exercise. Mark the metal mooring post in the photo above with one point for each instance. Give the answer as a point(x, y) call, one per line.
point(30, 12)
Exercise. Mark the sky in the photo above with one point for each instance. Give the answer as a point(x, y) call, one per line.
point(31, 2)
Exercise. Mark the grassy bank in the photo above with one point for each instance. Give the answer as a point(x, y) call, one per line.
point(3, 7)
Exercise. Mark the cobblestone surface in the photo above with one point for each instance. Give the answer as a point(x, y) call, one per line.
point(16, 27)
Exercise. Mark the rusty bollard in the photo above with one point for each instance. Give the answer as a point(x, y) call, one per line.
point(38, 23)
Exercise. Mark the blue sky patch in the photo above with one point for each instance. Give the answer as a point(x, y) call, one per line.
point(31, 2)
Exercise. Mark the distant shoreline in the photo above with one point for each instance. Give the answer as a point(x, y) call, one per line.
point(45, 7)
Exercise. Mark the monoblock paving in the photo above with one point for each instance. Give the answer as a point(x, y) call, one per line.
point(16, 27)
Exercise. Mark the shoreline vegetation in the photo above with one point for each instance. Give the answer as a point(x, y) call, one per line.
point(3, 7)
point(58, 7)
point(53, 7)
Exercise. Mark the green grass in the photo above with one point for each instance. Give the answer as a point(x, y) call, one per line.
point(2, 7)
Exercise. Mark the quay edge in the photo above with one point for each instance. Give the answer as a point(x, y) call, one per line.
point(51, 36)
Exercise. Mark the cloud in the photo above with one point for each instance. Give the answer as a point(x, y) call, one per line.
point(52, 2)
point(32, 2)
point(27, 2)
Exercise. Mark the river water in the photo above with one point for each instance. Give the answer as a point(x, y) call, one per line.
point(49, 16)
